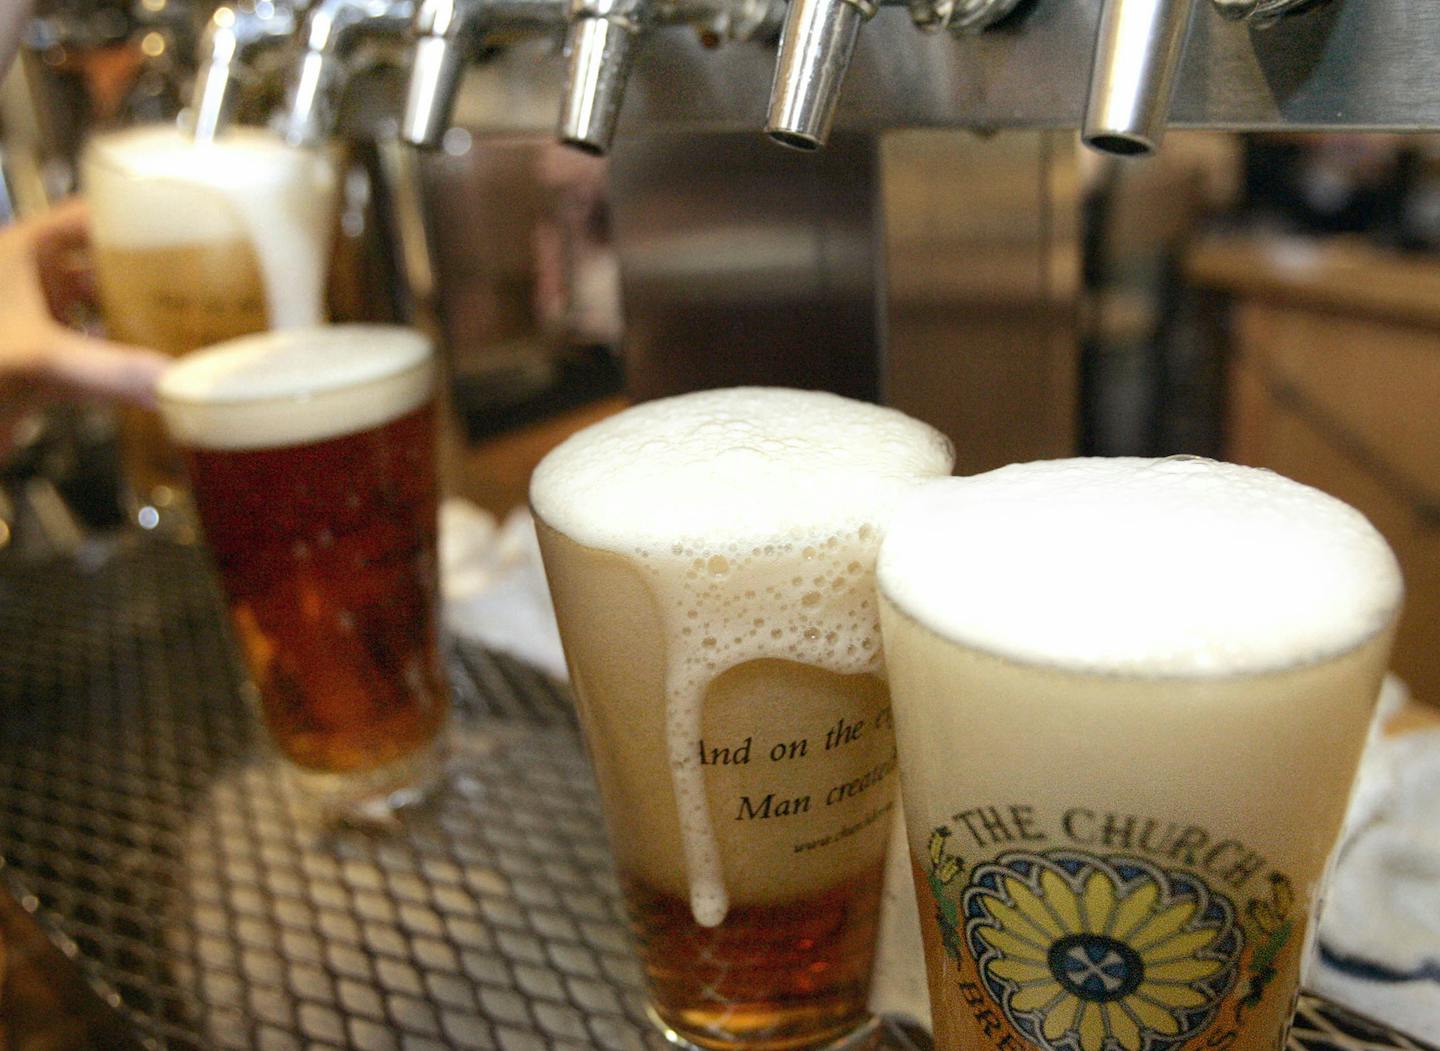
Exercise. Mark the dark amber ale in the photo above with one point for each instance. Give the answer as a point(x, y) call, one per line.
point(790, 975)
point(327, 552)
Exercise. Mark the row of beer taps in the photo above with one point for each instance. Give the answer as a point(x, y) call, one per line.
point(1138, 50)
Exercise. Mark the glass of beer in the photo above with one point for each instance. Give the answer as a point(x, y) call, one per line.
point(199, 242)
point(1130, 699)
point(310, 454)
point(711, 560)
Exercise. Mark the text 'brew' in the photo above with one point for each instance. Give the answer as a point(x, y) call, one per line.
point(711, 559)
point(311, 457)
point(1130, 698)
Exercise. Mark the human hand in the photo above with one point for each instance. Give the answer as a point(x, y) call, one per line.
point(43, 278)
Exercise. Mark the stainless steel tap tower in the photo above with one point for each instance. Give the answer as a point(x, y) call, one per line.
point(723, 237)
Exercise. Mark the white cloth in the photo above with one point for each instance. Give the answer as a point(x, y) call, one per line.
point(493, 585)
point(1380, 926)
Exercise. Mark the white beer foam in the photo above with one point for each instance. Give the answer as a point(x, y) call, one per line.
point(156, 187)
point(1173, 567)
point(295, 386)
point(757, 513)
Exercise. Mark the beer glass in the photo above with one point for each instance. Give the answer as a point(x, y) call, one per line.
point(195, 243)
point(711, 557)
point(310, 454)
point(1130, 698)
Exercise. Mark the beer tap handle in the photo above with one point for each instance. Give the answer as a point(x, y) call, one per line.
point(816, 46)
point(330, 26)
point(599, 48)
point(1137, 52)
point(818, 42)
point(212, 94)
point(233, 34)
point(446, 35)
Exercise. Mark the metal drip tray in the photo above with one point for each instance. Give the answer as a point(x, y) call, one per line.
point(143, 825)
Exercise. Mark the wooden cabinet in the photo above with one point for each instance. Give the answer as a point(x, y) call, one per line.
point(1335, 381)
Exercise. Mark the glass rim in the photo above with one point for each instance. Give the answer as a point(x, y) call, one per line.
point(1192, 676)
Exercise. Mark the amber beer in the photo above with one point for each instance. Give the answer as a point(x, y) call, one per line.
point(710, 559)
point(1130, 698)
point(196, 243)
point(310, 453)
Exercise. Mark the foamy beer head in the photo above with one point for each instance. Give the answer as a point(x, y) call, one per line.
point(310, 454)
point(1130, 697)
point(1174, 567)
point(156, 189)
point(295, 386)
point(733, 527)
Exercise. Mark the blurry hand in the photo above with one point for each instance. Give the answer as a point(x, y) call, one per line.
point(43, 278)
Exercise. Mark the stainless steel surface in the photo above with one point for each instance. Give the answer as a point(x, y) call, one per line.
point(1137, 53)
point(449, 34)
point(329, 33)
point(1358, 64)
point(235, 33)
point(599, 50)
point(816, 47)
point(1262, 11)
point(818, 44)
point(982, 290)
point(960, 16)
point(742, 263)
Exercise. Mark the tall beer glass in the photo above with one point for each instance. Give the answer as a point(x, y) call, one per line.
point(196, 243)
point(711, 562)
point(1130, 697)
point(310, 454)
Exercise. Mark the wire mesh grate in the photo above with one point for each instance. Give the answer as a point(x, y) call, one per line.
point(141, 819)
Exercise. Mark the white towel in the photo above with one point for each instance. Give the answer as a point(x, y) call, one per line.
point(493, 585)
point(1379, 951)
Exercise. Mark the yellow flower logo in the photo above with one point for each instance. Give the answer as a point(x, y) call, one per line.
point(1091, 954)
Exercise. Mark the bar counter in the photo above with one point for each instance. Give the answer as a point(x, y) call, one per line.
point(146, 830)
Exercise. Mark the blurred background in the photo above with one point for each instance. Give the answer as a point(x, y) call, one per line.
point(1271, 298)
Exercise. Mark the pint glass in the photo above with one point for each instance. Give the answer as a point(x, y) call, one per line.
point(1130, 698)
point(310, 454)
point(711, 559)
point(196, 243)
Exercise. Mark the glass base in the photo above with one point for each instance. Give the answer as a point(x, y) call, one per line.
point(372, 796)
point(864, 1036)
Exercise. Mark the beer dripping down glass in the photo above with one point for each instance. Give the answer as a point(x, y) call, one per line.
point(1130, 698)
point(710, 557)
point(310, 454)
point(195, 243)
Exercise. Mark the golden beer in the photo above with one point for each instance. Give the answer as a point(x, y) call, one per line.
point(710, 559)
point(1130, 699)
point(311, 458)
point(196, 243)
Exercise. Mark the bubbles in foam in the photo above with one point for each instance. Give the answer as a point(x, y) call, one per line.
point(1180, 566)
point(295, 386)
point(156, 187)
point(757, 514)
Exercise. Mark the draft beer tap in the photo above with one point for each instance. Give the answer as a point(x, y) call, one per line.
point(1138, 49)
point(235, 34)
point(601, 43)
point(448, 35)
point(330, 31)
point(818, 42)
